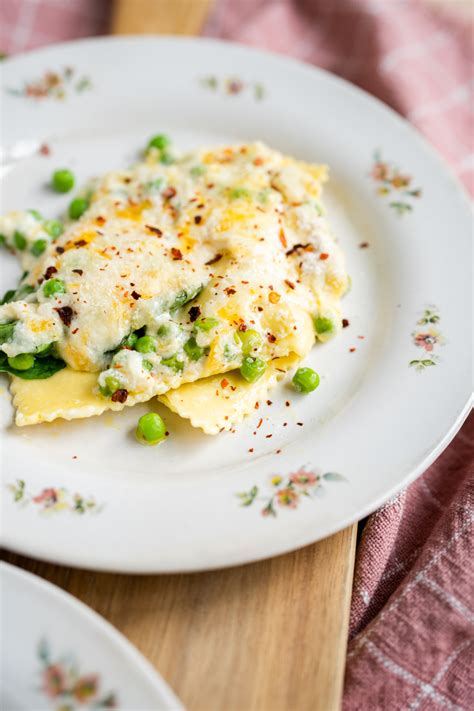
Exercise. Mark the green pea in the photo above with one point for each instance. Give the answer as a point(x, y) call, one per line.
point(24, 361)
point(323, 325)
point(251, 340)
point(164, 331)
point(111, 385)
point(53, 287)
point(54, 228)
point(129, 341)
point(37, 215)
point(166, 158)
point(151, 429)
point(237, 193)
point(193, 350)
point(38, 247)
point(197, 170)
point(77, 207)
point(159, 141)
point(206, 324)
point(252, 368)
point(146, 344)
point(305, 380)
point(173, 363)
point(62, 180)
point(19, 240)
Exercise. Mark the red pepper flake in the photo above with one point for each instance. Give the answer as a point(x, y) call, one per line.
point(233, 388)
point(75, 331)
point(74, 456)
point(256, 406)
point(258, 161)
point(323, 256)
point(259, 308)
point(100, 220)
point(224, 383)
point(260, 423)
point(194, 313)
point(271, 338)
point(60, 250)
point(282, 238)
point(65, 314)
point(269, 402)
point(289, 283)
point(78, 271)
point(285, 424)
point(251, 450)
point(278, 451)
point(361, 337)
point(169, 193)
point(306, 247)
point(244, 282)
point(230, 290)
point(214, 260)
point(352, 350)
point(197, 219)
point(44, 150)
point(49, 272)
point(177, 254)
point(200, 206)
point(363, 245)
point(155, 230)
point(119, 395)
point(287, 403)
point(80, 243)
point(135, 295)
point(242, 327)
point(345, 323)
point(300, 424)
point(268, 436)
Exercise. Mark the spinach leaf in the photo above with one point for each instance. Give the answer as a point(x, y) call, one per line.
point(6, 331)
point(43, 368)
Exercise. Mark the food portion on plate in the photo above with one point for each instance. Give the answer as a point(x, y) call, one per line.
point(201, 280)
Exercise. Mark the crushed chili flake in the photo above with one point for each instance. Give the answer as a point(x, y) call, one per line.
point(242, 327)
point(260, 423)
point(289, 283)
point(345, 323)
point(243, 281)
point(78, 271)
point(135, 295)
point(323, 256)
point(300, 424)
point(282, 238)
point(351, 350)
point(259, 308)
point(75, 331)
point(278, 451)
point(306, 247)
point(80, 243)
point(258, 161)
point(44, 149)
point(214, 260)
point(256, 406)
point(100, 220)
point(194, 313)
point(224, 383)
point(169, 193)
point(49, 272)
point(271, 338)
point(273, 297)
point(177, 254)
point(363, 245)
point(269, 402)
point(156, 230)
point(119, 395)
point(285, 424)
point(287, 403)
point(197, 219)
point(268, 436)
point(65, 314)
point(361, 337)
point(251, 450)
point(229, 291)
point(233, 388)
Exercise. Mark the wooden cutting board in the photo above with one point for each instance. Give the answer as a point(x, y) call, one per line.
point(269, 636)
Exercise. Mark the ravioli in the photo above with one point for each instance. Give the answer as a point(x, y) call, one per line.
point(179, 270)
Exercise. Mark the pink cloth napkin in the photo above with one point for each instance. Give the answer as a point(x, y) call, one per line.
point(412, 619)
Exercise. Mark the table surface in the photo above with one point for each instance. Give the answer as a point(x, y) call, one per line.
point(269, 636)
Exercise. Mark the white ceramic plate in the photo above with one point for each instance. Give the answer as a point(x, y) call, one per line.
point(59, 654)
point(84, 493)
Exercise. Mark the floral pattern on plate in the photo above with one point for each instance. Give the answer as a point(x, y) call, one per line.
point(427, 337)
point(53, 85)
point(288, 491)
point(68, 689)
point(232, 86)
point(53, 499)
point(394, 184)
